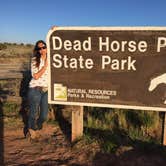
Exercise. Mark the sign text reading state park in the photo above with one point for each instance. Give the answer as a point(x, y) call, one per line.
point(118, 67)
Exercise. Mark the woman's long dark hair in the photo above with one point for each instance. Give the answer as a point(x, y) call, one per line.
point(36, 52)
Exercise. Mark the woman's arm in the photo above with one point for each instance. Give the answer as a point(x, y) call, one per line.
point(41, 71)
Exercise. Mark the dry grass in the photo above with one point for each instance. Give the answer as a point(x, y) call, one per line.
point(16, 51)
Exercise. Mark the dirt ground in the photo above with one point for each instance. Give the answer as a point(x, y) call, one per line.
point(51, 148)
point(54, 149)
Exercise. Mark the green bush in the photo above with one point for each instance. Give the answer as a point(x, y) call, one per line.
point(3, 46)
point(125, 125)
point(10, 109)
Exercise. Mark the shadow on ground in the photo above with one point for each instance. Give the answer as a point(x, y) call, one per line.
point(24, 108)
point(117, 149)
point(154, 156)
point(63, 123)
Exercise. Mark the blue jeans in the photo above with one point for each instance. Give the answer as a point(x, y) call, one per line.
point(38, 103)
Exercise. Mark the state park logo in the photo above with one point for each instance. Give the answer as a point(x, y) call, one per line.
point(60, 92)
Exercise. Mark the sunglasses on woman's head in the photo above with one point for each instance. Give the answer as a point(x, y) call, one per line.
point(40, 48)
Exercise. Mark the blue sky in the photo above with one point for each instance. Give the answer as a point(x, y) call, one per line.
point(30, 20)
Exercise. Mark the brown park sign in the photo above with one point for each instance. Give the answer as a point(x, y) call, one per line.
point(118, 67)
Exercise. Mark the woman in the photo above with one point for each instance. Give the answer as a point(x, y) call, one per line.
point(37, 94)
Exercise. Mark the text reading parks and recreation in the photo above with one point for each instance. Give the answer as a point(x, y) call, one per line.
point(105, 44)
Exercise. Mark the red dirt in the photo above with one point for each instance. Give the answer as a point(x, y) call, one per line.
point(53, 149)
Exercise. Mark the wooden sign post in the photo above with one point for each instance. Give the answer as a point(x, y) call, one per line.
point(164, 130)
point(77, 123)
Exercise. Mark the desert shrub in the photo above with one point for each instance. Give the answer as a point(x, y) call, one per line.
point(136, 124)
point(29, 45)
point(140, 119)
point(10, 109)
point(3, 46)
